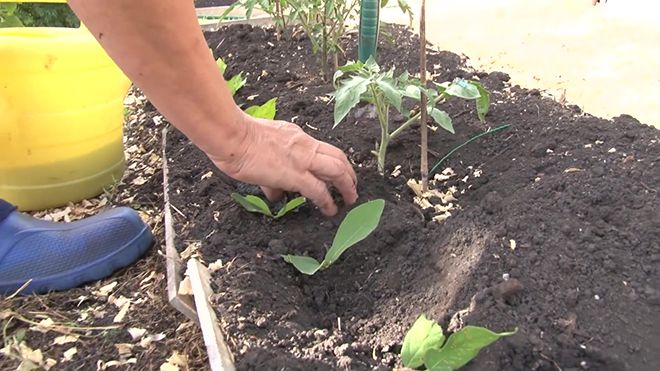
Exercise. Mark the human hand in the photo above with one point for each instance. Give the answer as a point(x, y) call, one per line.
point(280, 156)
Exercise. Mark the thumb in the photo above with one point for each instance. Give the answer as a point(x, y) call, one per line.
point(272, 194)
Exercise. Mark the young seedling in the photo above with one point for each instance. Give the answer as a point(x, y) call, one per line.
point(255, 204)
point(234, 83)
point(264, 111)
point(424, 345)
point(367, 83)
point(355, 227)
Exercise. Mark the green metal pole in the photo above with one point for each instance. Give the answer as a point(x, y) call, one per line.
point(369, 22)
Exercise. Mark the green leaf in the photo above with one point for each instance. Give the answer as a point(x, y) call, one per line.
point(392, 94)
point(290, 206)
point(441, 118)
point(413, 91)
point(264, 111)
point(424, 334)
point(305, 264)
point(7, 9)
point(236, 83)
point(463, 89)
point(483, 102)
point(462, 346)
point(252, 204)
point(348, 96)
point(355, 227)
point(10, 21)
point(222, 66)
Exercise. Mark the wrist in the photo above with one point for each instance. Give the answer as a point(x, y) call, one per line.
point(227, 139)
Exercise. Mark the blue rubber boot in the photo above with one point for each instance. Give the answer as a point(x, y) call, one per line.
point(60, 256)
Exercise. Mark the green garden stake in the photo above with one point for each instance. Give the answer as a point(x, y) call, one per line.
point(369, 25)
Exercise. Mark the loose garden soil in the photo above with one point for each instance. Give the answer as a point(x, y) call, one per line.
point(557, 230)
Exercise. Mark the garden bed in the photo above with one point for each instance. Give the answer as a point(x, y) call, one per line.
point(563, 204)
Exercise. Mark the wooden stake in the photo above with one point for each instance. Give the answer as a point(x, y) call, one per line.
point(183, 304)
point(220, 357)
point(424, 161)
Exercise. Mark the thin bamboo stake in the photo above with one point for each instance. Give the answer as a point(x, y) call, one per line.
point(424, 161)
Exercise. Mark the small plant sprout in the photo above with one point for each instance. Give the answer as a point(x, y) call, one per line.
point(255, 204)
point(356, 226)
point(234, 83)
point(425, 345)
point(264, 111)
point(357, 81)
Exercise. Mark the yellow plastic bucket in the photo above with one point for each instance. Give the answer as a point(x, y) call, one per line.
point(61, 117)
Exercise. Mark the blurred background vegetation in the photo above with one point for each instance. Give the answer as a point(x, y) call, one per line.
point(37, 15)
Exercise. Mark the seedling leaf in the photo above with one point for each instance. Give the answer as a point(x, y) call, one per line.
point(461, 347)
point(463, 89)
point(252, 204)
point(392, 94)
point(355, 227)
point(442, 118)
point(290, 206)
point(236, 82)
point(305, 264)
point(424, 334)
point(264, 111)
point(222, 66)
point(483, 102)
point(348, 95)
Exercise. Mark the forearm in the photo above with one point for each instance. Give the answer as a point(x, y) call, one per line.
point(160, 47)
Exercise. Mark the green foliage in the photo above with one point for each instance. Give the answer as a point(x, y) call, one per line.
point(235, 82)
point(355, 227)
point(365, 82)
point(8, 17)
point(424, 344)
point(37, 15)
point(264, 111)
point(255, 204)
point(422, 336)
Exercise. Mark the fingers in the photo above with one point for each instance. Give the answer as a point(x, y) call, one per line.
point(315, 190)
point(335, 152)
point(334, 171)
point(272, 194)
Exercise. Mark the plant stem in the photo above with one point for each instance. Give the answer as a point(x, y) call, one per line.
point(382, 111)
point(424, 159)
point(414, 118)
point(278, 22)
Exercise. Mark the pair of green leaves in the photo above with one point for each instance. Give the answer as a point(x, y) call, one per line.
point(356, 226)
point(424, 345)
point(255, 204)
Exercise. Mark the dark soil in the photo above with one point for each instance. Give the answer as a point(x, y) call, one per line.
point(578, 194)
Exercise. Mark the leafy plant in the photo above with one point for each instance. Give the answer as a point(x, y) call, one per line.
point(255, 204)
point(277, 9)
point(235, 82)
point(365, 82)
point(37, 15)
point(424, 345)
point(355, 227)
point(264, 111)
point(8, 17)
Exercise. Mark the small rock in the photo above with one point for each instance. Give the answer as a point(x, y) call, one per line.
point(508, 289)
point(277, 246)
point(261, 322)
